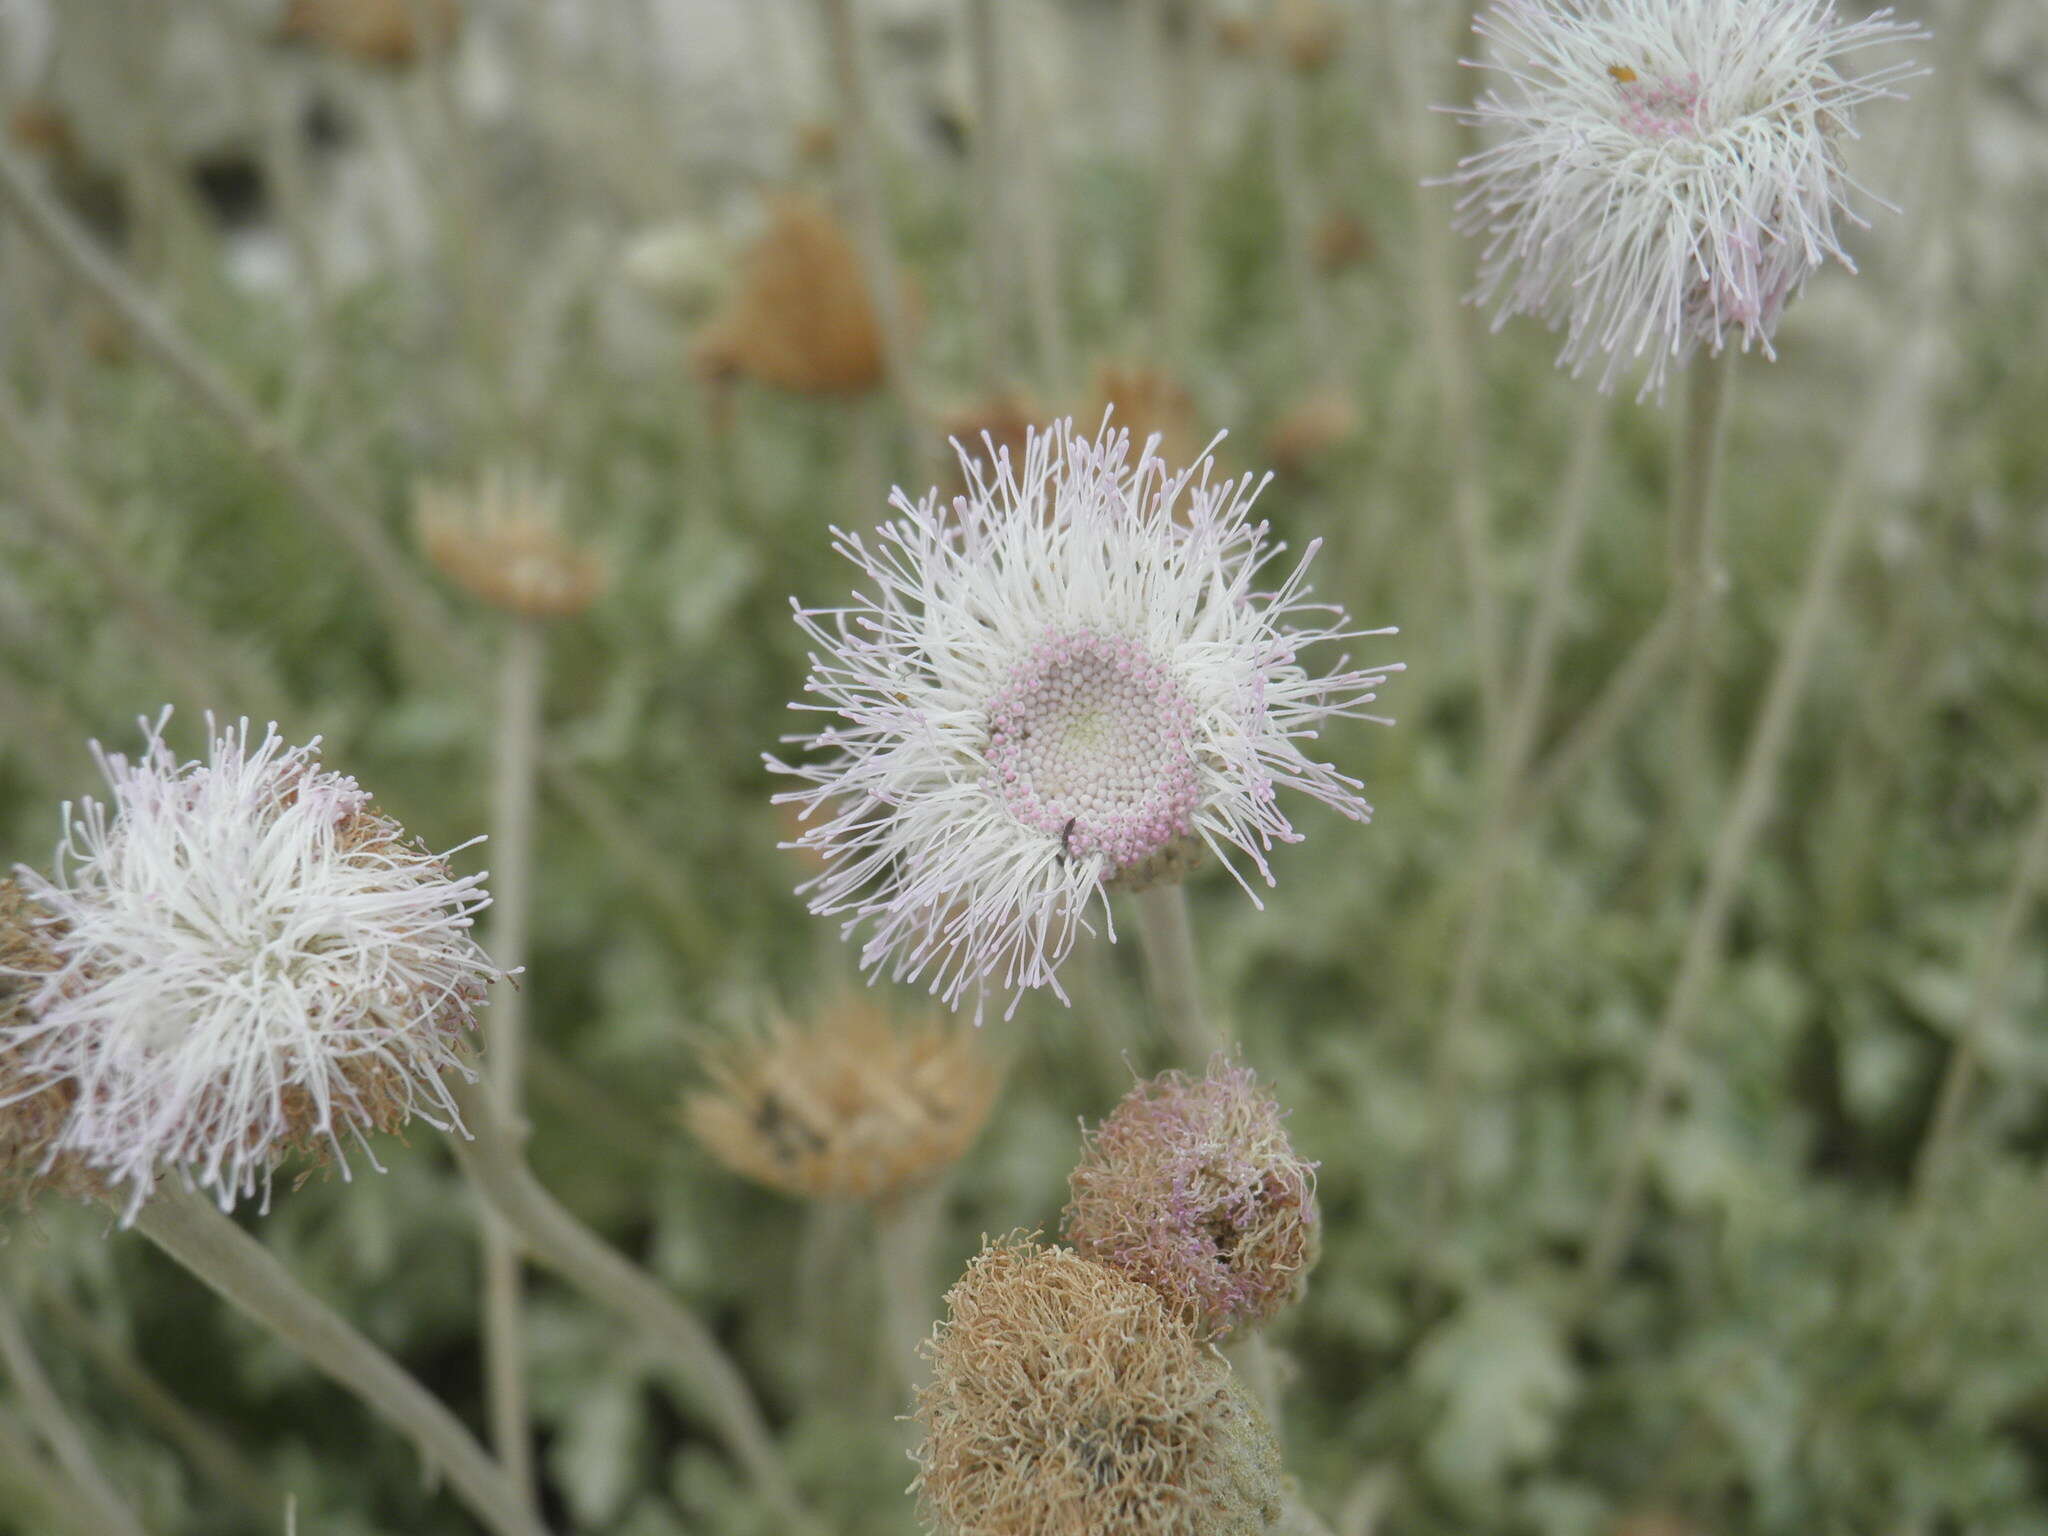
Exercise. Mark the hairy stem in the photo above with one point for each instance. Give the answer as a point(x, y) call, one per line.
point(1987, 987)
point(194, 1233)
point(518, 752)
point(54, 1425)
point(1168, 941)
point(555, 1239)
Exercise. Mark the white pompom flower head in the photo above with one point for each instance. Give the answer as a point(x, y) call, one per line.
point(1065, 682)
point(239, 959)
point(1662, 174)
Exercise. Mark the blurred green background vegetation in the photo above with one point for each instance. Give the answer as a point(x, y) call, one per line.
point(415, 263)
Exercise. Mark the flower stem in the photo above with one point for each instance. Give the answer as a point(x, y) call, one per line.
point(32, 1484)
point(518, 751)
point(991, 138)
point(1987, 986)
point(1168, 942)
point(58, 1431)
point(556, 1239)
point(871, 220)
point(1176, 26)
point(195, 1234)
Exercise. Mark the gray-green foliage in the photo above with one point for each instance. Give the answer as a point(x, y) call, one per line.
point(1793, 1344)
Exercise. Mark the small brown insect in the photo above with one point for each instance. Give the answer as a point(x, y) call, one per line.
point(1622, 73)
point(1067, 832)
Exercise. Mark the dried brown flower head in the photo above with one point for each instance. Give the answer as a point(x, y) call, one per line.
point(1004, 418)
point(501, 539)
point(393, 33)
point(1145, 401)
point(30, 1117)
point(1310, 428)
point(1342, 241)
point(854, 1104)
point(1066, 1400)
point(1309, 32)
point(1190, 1187)
point(801, 317)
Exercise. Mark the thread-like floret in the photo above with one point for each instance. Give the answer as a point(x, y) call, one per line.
point(1664, 173)
point(851, 1105)
point(1066, 1400)
point(1191, 1187)
point(1065, 682)
point(242, 959)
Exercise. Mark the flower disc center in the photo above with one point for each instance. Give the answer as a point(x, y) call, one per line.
point(1091, 740)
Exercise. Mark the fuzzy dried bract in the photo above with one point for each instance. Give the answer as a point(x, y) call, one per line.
point(1066, 1400)
point(1191, 1187)
point(852, 1105)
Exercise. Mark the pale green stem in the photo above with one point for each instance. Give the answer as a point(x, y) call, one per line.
point(1739, 828)
point(555, 1239)
point(1318, 341)
point(1039, 220)
point(1695, 587)
point(1167, 939)
point(991, 179)
point(871, 221)
point(1891, 395)
point(195, 1234)
point(202, 1443)
point(54, 1425)
point(906, 1231)
point(518, 750)
point(413, 604)
point(1177, 24)
point(1611, 709)
point(1450, 348)
point(1490, 852)
point(1987, 990)
point(30, 1482)
point(823, 1256)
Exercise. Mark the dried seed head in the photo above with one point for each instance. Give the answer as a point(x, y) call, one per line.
point(233, 961)
point(1066, 1400)
point(1190, 1187)
point(1309, 428)
point(1147, 401)
point(393, 33)
point(501, 539)
point(801, 317)
point(852, 1105)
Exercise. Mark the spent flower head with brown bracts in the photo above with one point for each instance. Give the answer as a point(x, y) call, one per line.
point(1191, 1186)
point(1066, 1400)
point(852, 1104)
point(243, 958)
point(502, 539)
point(1664, 173)
point(1056, 685)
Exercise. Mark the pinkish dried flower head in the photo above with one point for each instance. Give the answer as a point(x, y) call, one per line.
point(1664, 173)
point(1191, 1186)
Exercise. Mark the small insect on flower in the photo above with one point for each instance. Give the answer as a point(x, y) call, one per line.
point(1664, 173)
point(1066, 682)
point(237, 959)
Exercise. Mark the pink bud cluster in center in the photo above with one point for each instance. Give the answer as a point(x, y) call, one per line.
point(1091, 740)
point(1664, 108)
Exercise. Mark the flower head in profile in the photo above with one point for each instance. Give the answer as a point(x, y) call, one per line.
point(237, 959)
point(1078, 676)
point(1066, 1400)
point(1664, 173)
point(1191, 1187)
point(502, 538)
